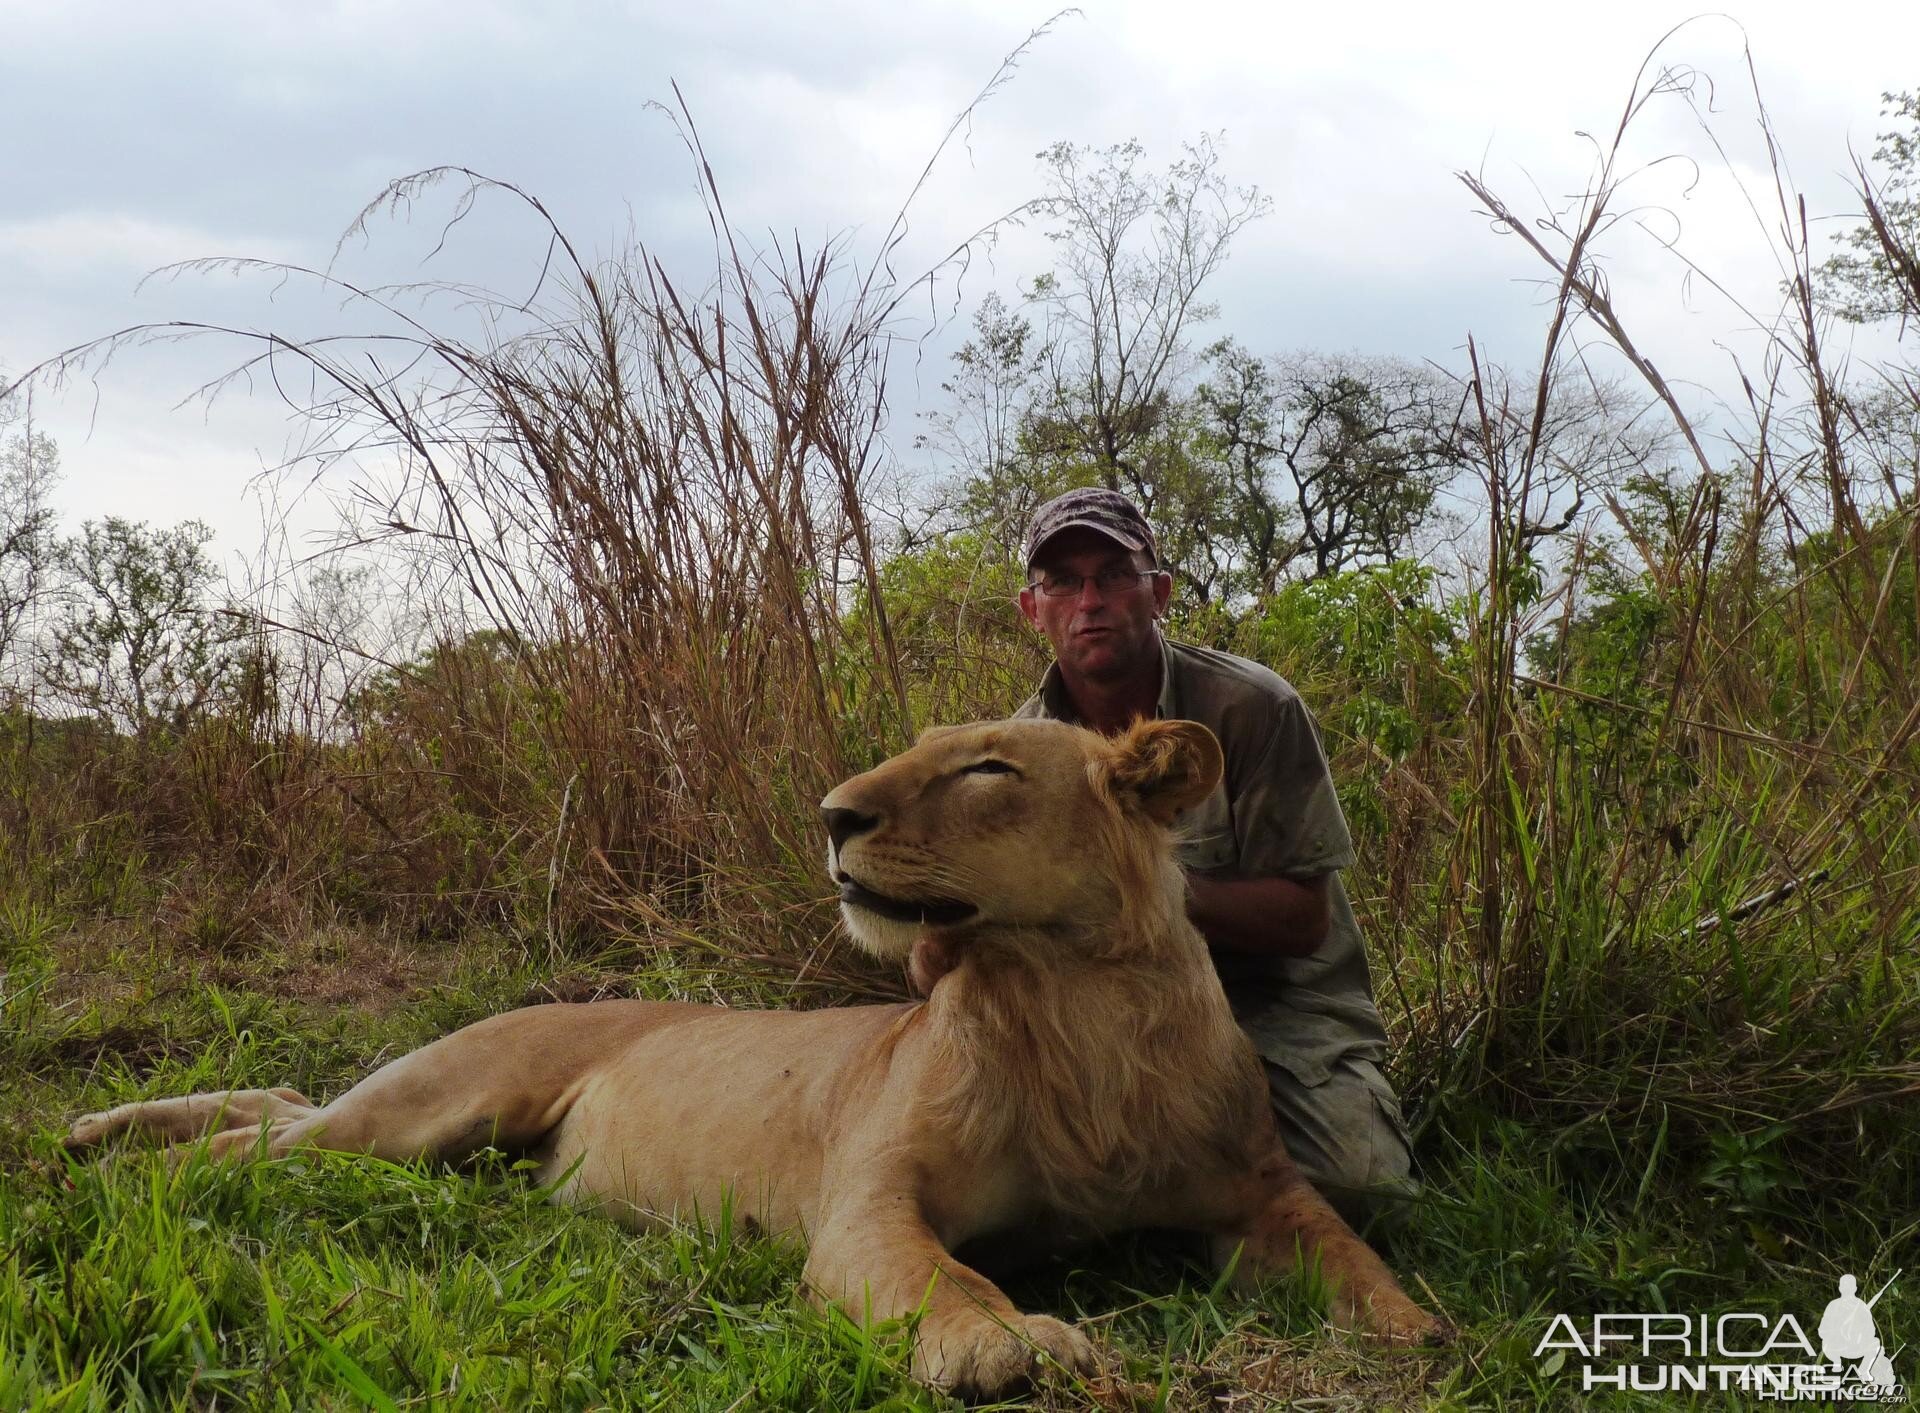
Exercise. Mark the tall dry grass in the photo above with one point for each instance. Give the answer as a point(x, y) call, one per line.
point(1672, 873)
point(633, 516)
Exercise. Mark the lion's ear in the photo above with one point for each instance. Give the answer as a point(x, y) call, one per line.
point(1164, 767)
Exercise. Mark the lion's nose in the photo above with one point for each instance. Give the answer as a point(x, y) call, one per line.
point(843, 824)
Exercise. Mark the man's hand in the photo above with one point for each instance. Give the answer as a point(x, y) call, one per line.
point(1261, 917)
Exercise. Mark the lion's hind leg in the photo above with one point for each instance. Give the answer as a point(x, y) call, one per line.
point(505, 1081)
point(189, 1117)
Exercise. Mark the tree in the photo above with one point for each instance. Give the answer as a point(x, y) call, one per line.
point(1328, 461)
point(1260, 472)
point(1877, 275)
point(1132, 251)
point(29, 466)
point(1366, 449)
point(1099, 393)
point(138, 641)
point(1883, 436)
point(990, 394)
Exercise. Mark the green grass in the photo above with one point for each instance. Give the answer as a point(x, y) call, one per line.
point(333, 1282)
point(330, 1283)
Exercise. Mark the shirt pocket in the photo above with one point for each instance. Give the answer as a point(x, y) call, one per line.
point(1205, 833)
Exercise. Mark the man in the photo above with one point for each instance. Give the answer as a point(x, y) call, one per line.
point(1262, 855)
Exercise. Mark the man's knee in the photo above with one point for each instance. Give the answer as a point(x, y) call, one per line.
point(1347, 1136)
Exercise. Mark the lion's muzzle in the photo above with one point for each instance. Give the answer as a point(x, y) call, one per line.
point(940, 912)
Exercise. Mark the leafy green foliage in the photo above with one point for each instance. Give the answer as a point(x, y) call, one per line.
point(1380, 631)
point(138, 641)
point(29, 468)
point(1873, 277)
point(952, 605)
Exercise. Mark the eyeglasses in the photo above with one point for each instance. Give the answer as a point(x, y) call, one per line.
point(1107, 581)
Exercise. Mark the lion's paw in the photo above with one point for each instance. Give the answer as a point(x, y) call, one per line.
point(1061, 1343)
point(92, 1130)
point(1398, 1322)
point(978, 1356)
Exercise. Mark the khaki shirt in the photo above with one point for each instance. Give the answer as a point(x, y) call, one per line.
point(1274, 814)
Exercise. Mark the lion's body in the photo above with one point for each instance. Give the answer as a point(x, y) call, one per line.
point(1077, 1067)
point(803, 1075)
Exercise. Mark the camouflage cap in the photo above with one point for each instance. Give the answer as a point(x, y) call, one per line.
point(1092, 508)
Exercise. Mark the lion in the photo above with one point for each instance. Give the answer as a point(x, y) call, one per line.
point(1075, 1066)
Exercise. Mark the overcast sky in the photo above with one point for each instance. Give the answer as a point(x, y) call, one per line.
point(139, 134)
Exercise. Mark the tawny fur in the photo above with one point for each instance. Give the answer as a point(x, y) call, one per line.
point(1075, 1065)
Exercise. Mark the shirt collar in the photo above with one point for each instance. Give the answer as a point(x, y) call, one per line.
point(1053, 690)
point(1168, 707)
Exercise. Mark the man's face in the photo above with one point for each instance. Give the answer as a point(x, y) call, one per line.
point(1104, 636)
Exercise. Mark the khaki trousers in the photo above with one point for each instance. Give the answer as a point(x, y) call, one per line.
point(1348, 1137)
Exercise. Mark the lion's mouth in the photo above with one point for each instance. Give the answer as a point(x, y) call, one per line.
point(941, 912)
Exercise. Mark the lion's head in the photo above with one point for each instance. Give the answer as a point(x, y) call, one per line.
point(1016, 827)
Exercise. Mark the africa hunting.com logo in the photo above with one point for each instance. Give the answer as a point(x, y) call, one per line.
point(1741, 1351)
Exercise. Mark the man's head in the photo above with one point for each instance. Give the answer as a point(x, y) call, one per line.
point(1848, 1285)
point(1094, 585)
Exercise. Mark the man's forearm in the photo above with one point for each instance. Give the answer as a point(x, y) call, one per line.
point(1278, 917)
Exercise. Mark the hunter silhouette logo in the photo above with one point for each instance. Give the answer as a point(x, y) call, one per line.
point(1768, 1357)
point(1847, 1336)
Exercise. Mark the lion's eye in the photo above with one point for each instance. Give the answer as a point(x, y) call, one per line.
point(989, 767)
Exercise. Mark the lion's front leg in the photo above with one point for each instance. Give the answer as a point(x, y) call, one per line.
point(878, 1262)
point(1291, 1222)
